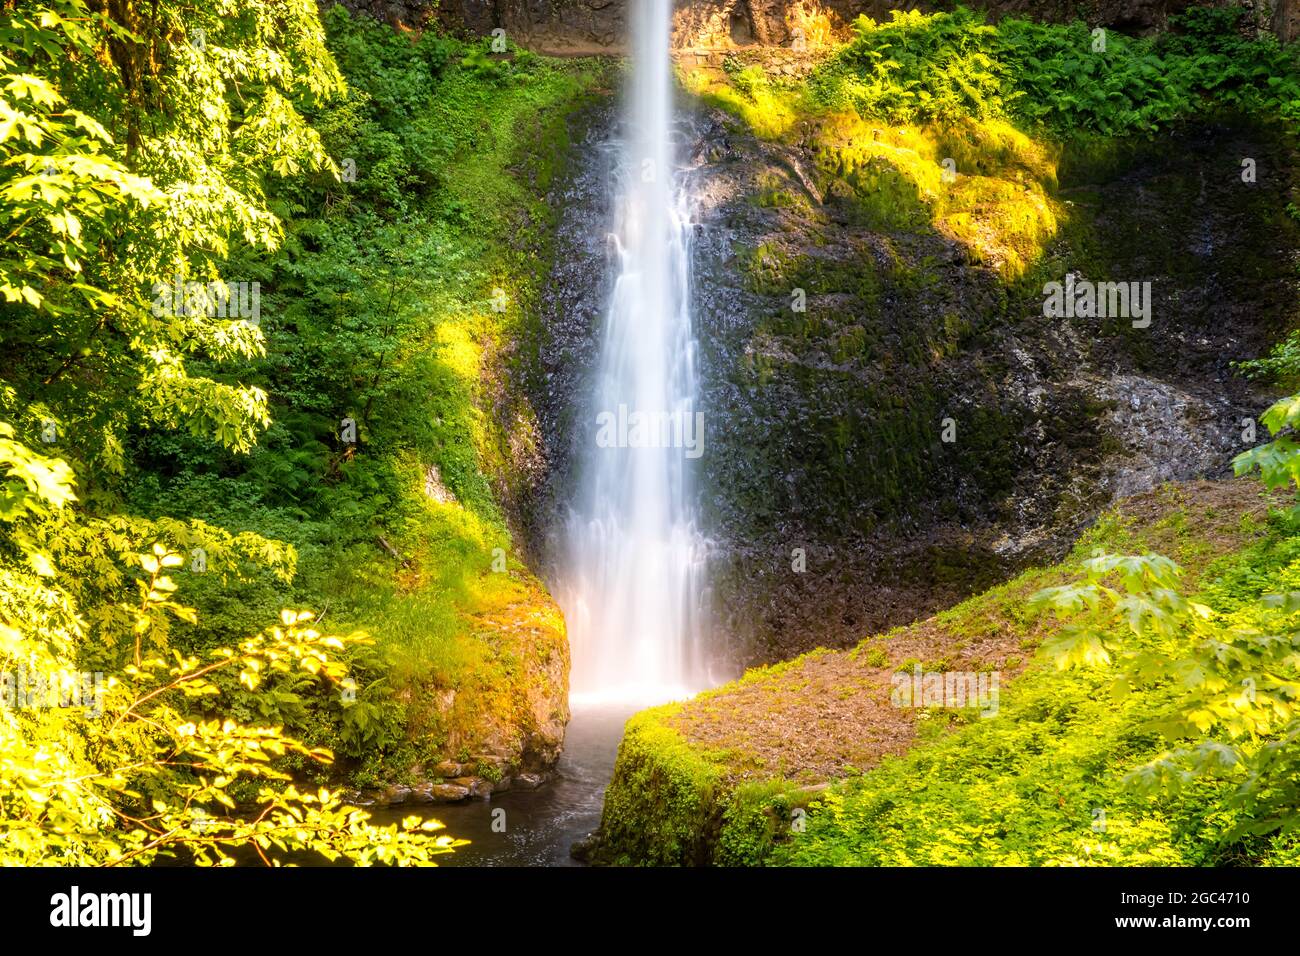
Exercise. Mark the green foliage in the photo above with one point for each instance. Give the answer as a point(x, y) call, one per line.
point(1081, 764)
point(660, 809)
point(189, 142)
point(481, 64)
point(148, 762)
point(1278, 461)
point(1235, 663)
point(380, 308)
point(759, 816)
point(1089, 763)
point(915, 67)
point(1282, 364)
point(147, 137)
point(1148, 604)
point(1235, 660)
point(947, 66)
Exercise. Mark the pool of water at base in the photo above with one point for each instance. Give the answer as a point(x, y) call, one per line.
point(539, 825)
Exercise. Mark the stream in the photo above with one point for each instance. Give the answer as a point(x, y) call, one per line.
point(540, 825)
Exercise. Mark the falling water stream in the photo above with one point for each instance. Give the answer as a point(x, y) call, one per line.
point(632, 578)
point(631, 575)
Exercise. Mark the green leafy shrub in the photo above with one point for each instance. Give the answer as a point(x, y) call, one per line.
point(1067, 78)
point(149, 760)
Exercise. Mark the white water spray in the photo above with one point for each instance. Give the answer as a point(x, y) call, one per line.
point(635, 565)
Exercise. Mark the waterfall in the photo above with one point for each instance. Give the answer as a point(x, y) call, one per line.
point(635, 557)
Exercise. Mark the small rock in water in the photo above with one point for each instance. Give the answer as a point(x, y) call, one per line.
point(422, 793)
point(448, 792)
point(475, 786)
point(581, 851)
point(396, 794)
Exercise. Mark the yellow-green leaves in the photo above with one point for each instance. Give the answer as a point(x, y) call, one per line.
point(1284, 413)
point(1278, 461)
point(170, 775)
point(1147, 603)
point(26, 86)
point(1237, 676)
point(32, 482)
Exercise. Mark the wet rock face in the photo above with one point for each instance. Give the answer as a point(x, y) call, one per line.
point(831, 455)
point(588, 26)
point(574, 303)
point(836, 505)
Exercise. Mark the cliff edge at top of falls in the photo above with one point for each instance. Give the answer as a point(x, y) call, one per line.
point(600, 26)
